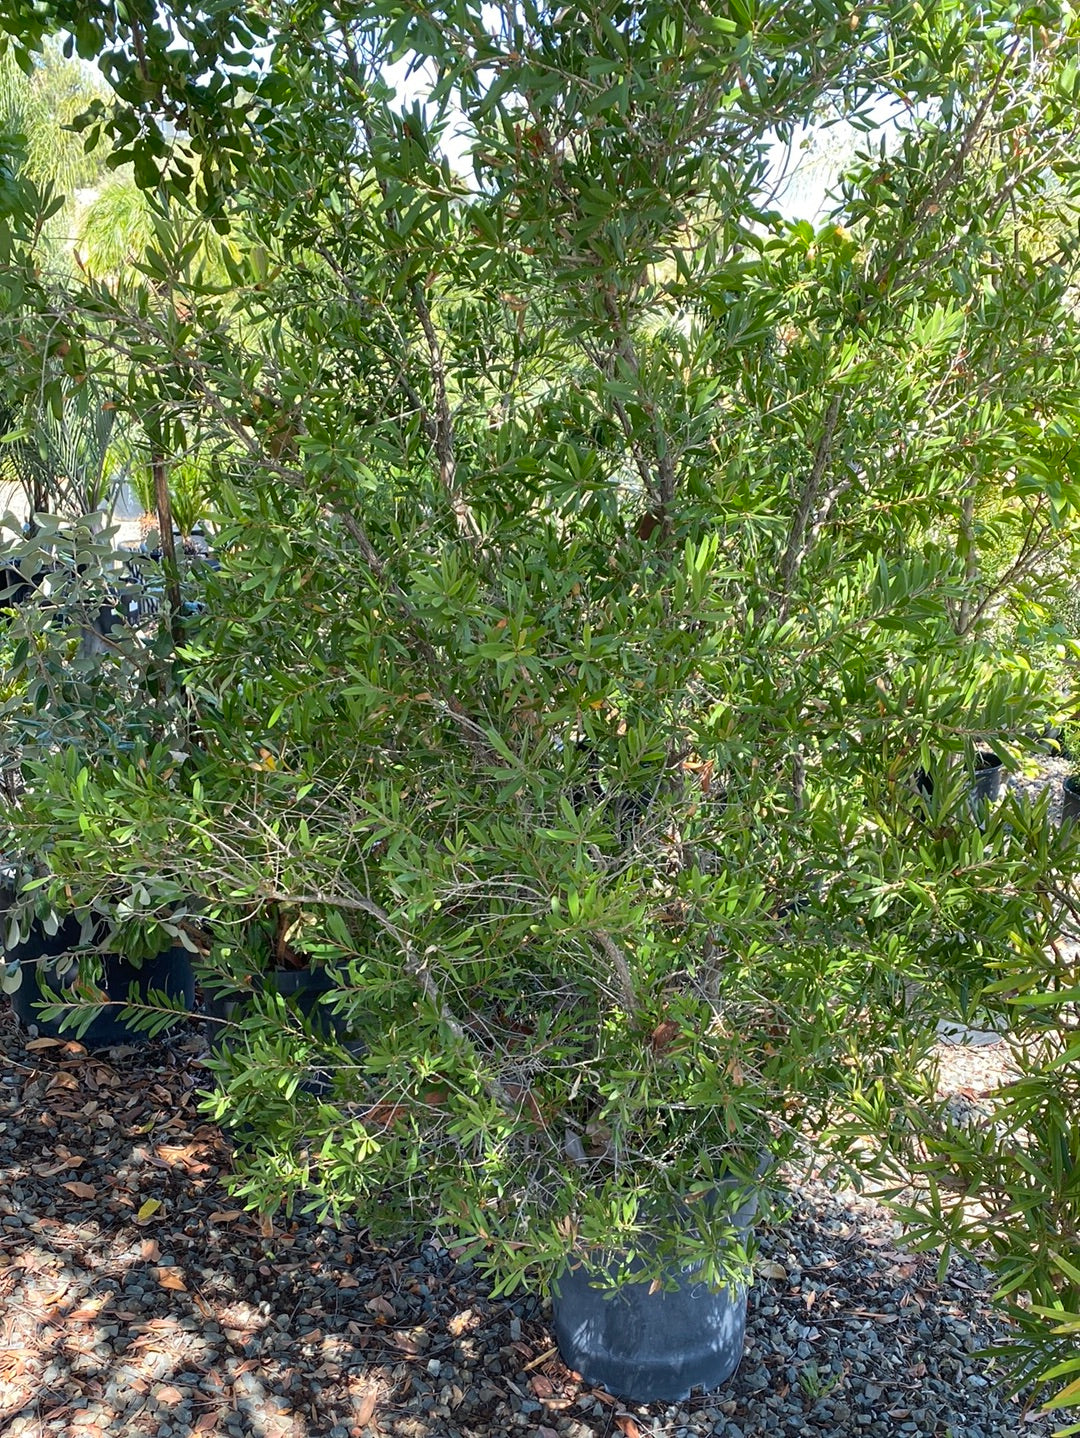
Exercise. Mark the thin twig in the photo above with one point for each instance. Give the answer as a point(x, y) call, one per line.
point(796, 546)
point(617, 959)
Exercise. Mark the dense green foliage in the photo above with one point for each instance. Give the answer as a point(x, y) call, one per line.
point(602, 555)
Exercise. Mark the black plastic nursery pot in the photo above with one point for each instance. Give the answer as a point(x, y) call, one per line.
point(647, 1346)
point(1070, 799)
point(989, 781)
point(169, 972)
point(300, 988)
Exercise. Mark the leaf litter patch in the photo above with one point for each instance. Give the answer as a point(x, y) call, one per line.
point(137, 1299)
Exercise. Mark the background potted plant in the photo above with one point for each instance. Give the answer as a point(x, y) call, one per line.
point(83, 953)
point(1070, 798)
point(75, 973)
point(990, 775)
point(1069, 748)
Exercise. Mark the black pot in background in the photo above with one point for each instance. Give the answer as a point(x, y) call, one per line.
point(1070, 799)
point(301, 989)
point(989, 781)
point(651, 1347)
point(170, 972)
point(987, 784)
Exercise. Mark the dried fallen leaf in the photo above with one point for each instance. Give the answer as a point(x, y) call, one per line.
point(381, 1307)
point(35, 1045)
point(364, 1407)
point(408, 1342)
point(627, 1426)
point(149, 1250)
point(80, 1189)
point(768, 1269)
point(168, 1394)
point(348, 1281)
point(172, 1281)
point(182, 1155)
point(459, 1323)
point(662, 1035)
point(226, 1215)
point(541, 1386)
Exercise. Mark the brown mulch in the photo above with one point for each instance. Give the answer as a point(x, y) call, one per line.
point(137, 1299)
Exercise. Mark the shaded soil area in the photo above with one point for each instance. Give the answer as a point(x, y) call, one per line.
point(137, 1299)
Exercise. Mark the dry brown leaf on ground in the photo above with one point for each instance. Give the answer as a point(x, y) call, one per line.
point(627, 1426)
point(768, 1269)
point(14, 1362)
point(364, 1407)
point(80, 1189)
point(184, 1155)
point(410, 1343)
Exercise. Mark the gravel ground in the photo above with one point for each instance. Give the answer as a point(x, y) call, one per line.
point(136, 1300)
point(1042, 772)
